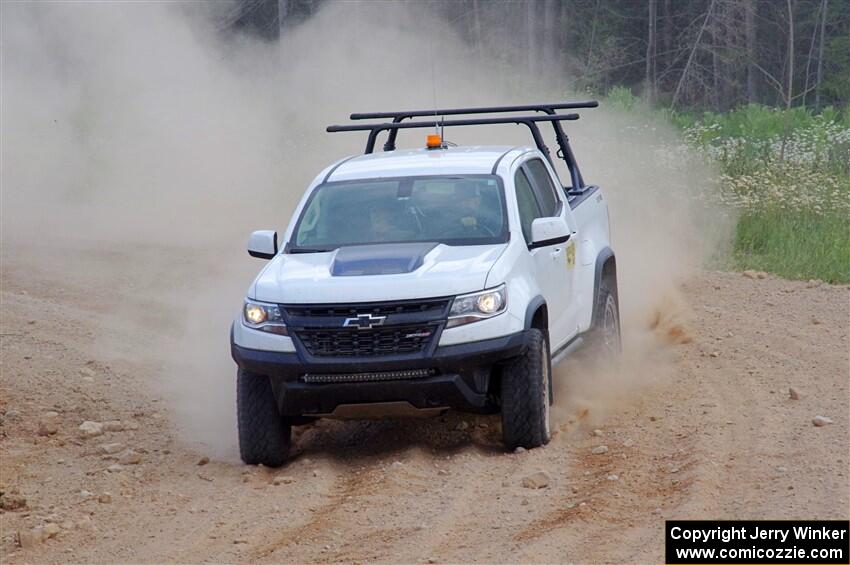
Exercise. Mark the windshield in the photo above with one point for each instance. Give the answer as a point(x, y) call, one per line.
point(455, 210)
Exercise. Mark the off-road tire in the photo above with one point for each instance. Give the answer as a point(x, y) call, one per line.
point(264, 435)
point(604, 339)
point(526, 389)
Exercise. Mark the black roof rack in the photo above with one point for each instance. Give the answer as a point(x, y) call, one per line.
point(565, 152)
point(375, 129)
point(546, 108)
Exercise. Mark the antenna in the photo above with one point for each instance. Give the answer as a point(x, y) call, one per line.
point(433, 81)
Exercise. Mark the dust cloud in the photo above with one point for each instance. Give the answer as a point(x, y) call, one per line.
point(141, 144)
point(664, 226)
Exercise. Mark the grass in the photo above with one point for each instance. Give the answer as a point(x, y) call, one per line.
point(794, 244)
point(785, 173)
point(788, 175)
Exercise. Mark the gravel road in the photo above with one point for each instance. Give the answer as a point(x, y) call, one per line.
point(704, 426)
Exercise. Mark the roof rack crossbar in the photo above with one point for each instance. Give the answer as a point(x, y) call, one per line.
point(406, 114)
point(384, 126)
point(528, 121)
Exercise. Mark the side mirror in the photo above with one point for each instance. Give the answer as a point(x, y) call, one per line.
point(263, 244)
point(548, 231)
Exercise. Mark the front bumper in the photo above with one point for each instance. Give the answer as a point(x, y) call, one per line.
point(460, 379)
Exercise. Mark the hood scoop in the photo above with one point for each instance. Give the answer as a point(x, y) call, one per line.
point(380, 259)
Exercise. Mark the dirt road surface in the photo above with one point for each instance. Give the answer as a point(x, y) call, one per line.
point(707, 430)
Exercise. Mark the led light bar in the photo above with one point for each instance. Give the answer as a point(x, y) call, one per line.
point(367, 377)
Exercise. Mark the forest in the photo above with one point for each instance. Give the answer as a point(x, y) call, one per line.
point(759, 88)
point(683, 54)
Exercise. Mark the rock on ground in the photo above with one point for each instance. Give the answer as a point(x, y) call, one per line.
point(12, 501)
point(820, 421)
point(113, 426)
point(48, 424)
point(51, 530)
point(28, 539)
point(129, 457)
point(540, 479)
point(110, 448)
point(89, 429)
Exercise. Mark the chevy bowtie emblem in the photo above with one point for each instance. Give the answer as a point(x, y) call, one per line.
point(364, 322)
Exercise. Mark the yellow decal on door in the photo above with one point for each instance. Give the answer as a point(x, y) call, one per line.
point(571, 255)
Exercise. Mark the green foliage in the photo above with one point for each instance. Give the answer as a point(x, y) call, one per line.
point(621, 98)
point(787, 173)
point(754, 121)
point(754, 138)
point(795, 244)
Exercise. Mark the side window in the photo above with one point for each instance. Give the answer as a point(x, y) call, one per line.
point(543, 187)
point(526, 203)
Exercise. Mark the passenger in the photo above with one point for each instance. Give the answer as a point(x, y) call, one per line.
point(469, 202)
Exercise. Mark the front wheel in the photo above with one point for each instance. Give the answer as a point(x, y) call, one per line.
point(264, 435)
point(526, 383)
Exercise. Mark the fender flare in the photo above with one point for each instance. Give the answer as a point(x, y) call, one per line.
point(601, 259)
point(532, 307)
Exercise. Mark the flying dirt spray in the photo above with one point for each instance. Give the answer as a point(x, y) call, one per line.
point(150, 143)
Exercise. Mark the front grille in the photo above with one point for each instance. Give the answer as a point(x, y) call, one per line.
point(347, 342)
point(367, 329)
point(376, 309)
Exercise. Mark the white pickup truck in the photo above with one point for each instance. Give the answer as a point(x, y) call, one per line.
point(416, 281)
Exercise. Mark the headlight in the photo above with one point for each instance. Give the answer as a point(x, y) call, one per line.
point(263, 316)
point(478, 306)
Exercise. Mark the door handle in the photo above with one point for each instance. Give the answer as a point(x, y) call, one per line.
point(556, 251)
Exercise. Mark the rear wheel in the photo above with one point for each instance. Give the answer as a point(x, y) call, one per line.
point(264, 435)
point(526, 383)
point(604, 336)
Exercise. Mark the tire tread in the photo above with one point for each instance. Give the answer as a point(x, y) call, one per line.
point(522, 411)
point(608, 286)
point(264, 436)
